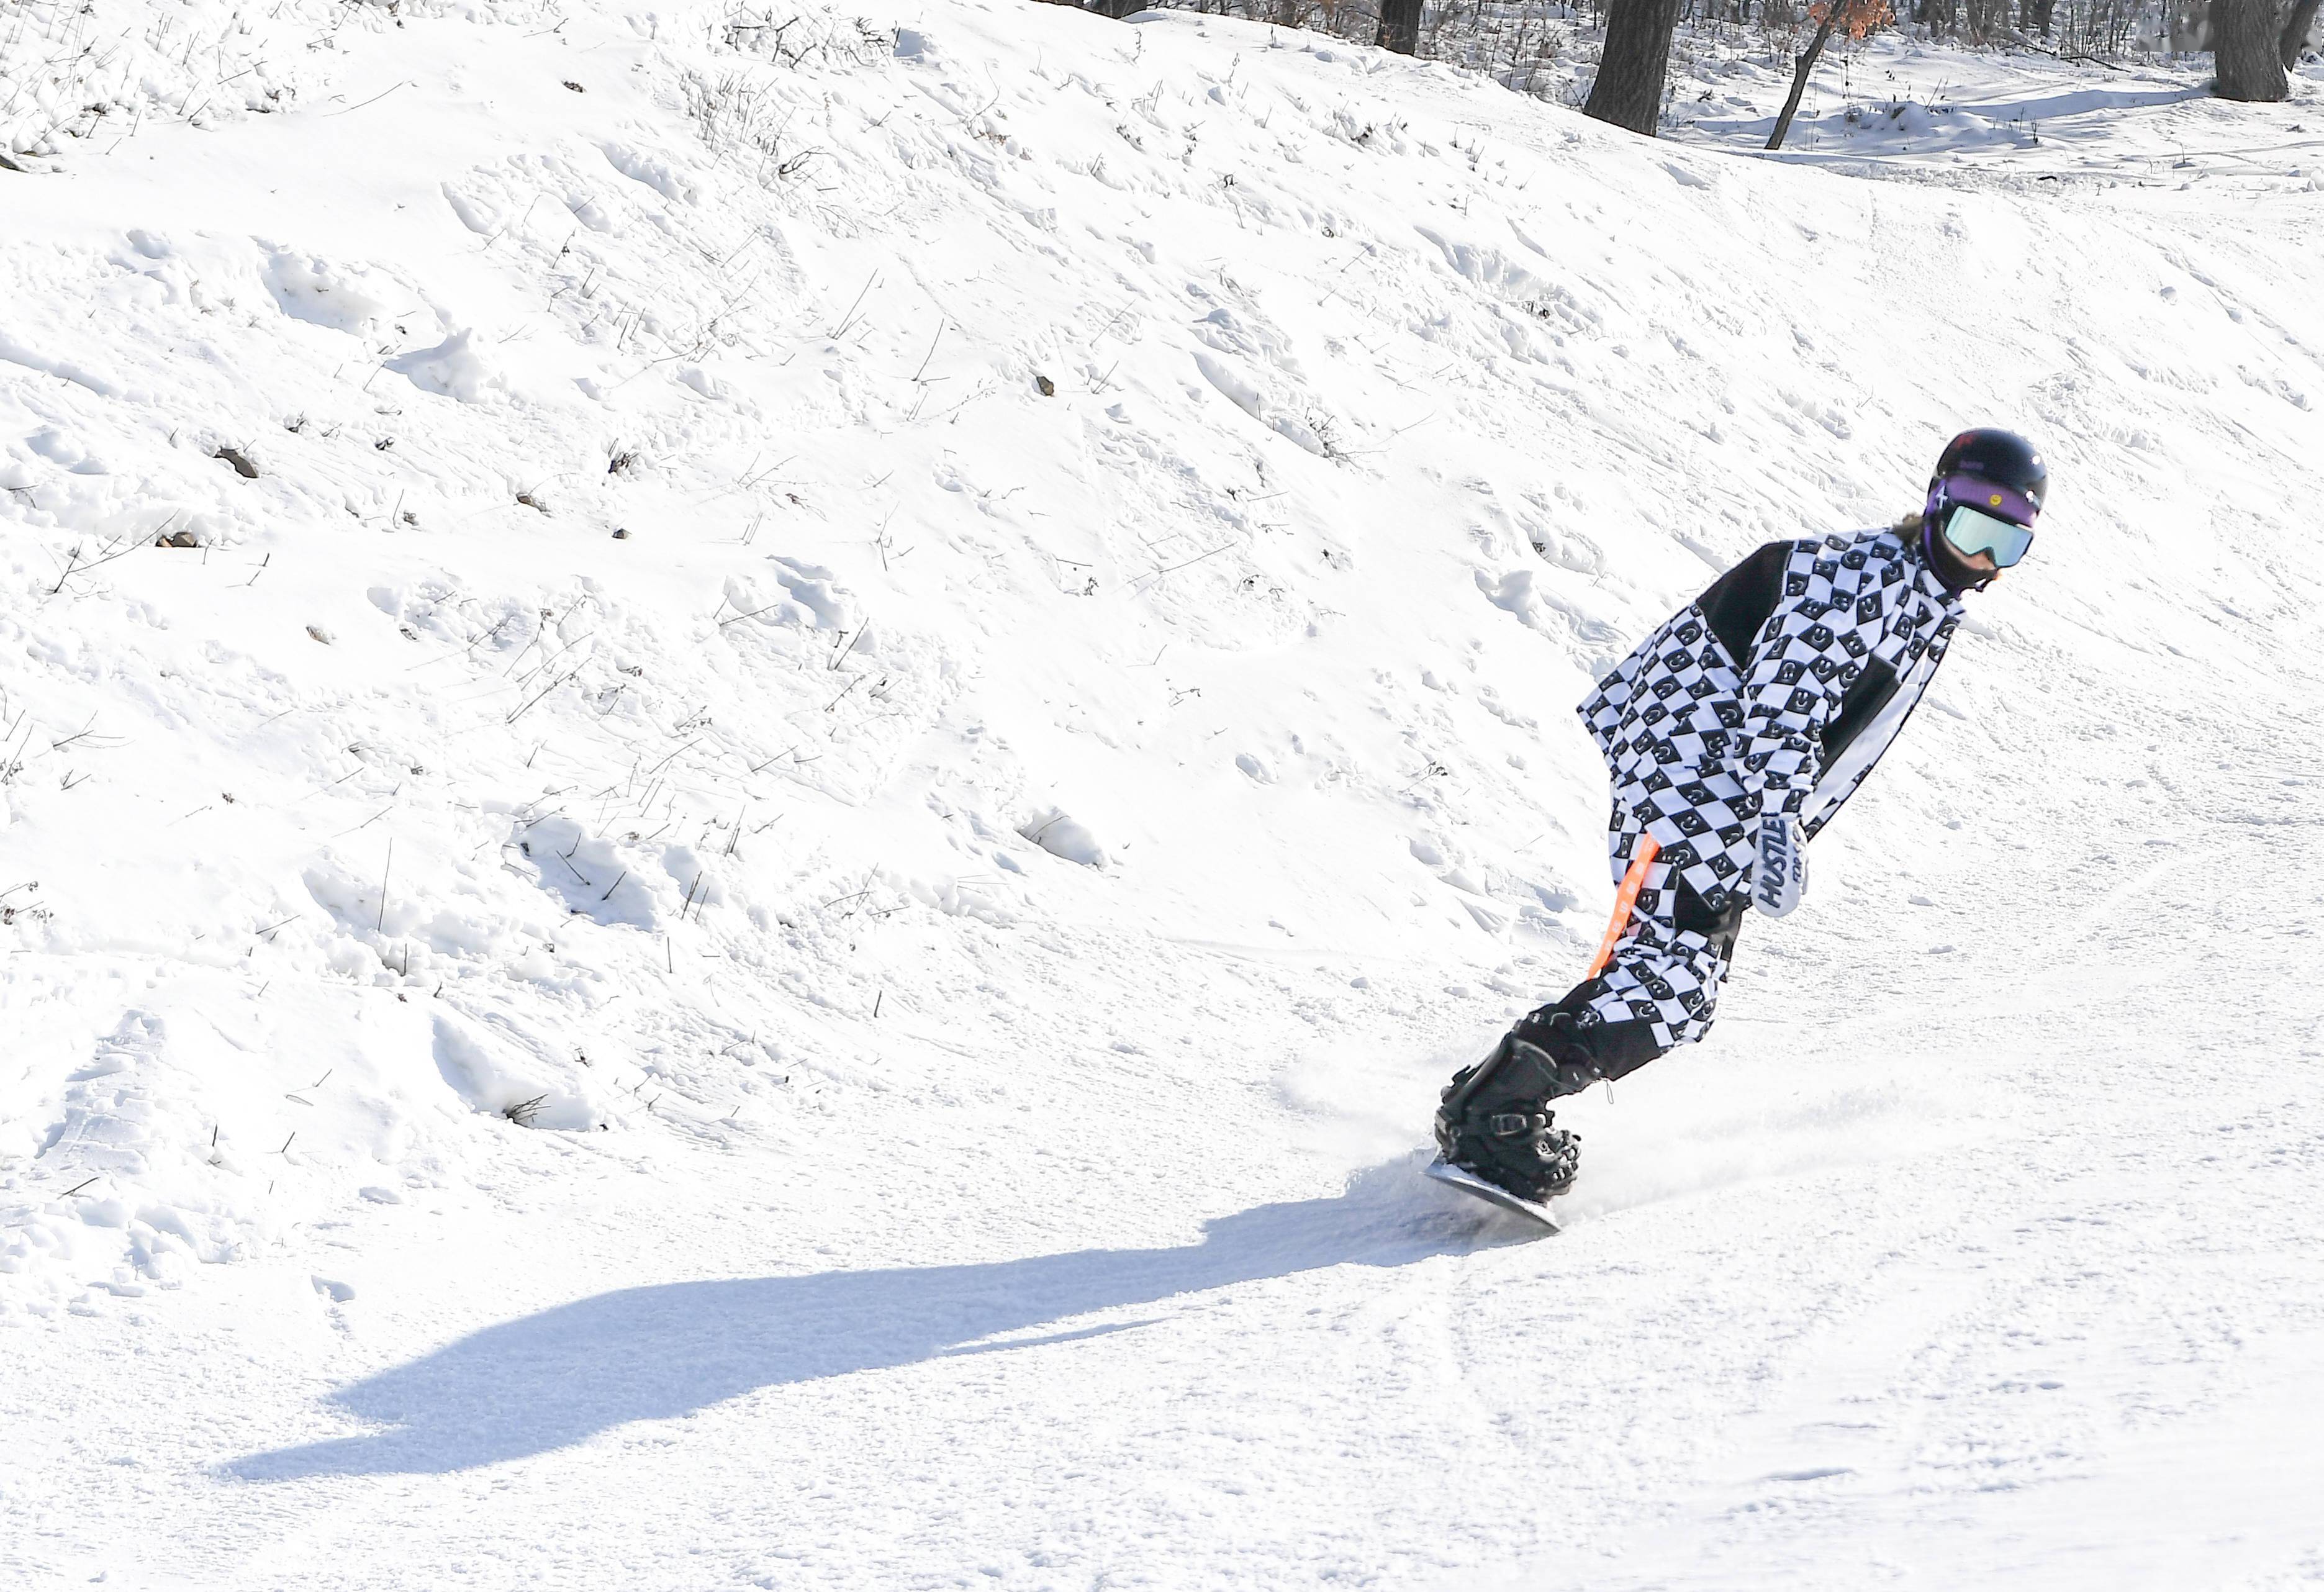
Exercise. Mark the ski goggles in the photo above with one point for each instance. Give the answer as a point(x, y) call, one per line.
point(1982, 518)
point(1972, 531)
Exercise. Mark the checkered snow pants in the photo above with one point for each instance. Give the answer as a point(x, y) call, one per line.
point(1661, 989)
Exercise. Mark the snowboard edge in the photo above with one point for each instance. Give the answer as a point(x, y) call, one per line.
point(1468, 1183)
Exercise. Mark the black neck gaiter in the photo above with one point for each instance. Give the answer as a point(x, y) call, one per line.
point(1947, 564)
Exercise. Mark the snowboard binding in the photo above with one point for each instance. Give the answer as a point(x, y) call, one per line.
point(1494, 1121)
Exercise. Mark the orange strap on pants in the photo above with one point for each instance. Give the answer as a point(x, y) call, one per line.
point(1624, 900)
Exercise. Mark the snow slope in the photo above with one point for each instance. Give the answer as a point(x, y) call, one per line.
point(776, 898)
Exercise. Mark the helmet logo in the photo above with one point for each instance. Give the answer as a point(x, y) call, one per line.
point(1993, 501)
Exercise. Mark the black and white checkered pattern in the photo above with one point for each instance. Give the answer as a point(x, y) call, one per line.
point(1660, 974)
point(1700, 743)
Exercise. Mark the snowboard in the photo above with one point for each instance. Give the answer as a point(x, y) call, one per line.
point(1468, 1183)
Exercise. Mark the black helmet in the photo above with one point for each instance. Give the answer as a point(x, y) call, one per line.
point(1992, 457)
point(1988, 491)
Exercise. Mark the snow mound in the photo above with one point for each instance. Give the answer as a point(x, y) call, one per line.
point(622, 572)
point(911, 679)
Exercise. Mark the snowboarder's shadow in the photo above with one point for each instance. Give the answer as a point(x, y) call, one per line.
point(546, 1381)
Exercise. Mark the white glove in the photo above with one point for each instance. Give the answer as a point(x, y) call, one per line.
point(1781, 878)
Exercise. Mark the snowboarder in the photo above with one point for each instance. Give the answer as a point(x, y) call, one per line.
point(1733, 734)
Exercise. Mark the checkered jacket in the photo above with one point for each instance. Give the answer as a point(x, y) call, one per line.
point(1777, 689)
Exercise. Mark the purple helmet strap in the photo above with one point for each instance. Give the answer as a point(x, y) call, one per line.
point(1999, 501)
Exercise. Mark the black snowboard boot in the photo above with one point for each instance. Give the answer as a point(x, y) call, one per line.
point(1495, 1120)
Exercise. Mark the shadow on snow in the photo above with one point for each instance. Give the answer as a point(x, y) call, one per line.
point(550, 1380)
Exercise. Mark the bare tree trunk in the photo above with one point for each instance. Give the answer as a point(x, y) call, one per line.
point(2296, 29)
point(1634, 65)
point(1801, 67)
point(1986, 19)
point(2191, 25)
point(1400, 26)
point(2244, 36)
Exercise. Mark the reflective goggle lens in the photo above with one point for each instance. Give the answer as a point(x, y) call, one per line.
point(1972, 531)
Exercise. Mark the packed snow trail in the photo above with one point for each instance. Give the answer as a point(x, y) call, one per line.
point(1849, 1356)
point(875, 1029)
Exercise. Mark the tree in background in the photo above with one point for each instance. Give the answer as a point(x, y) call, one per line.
point(1985, 21)
point(1400, 26)
point(2249, 50)
point(1634, 64)
point(1528, 45)
point(2296, 29)
point(1856, 18)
